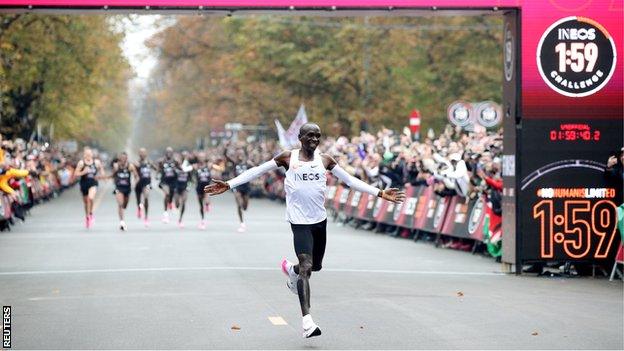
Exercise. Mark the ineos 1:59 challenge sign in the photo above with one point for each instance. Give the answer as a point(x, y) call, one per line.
point(576, 56)
point(569, 205)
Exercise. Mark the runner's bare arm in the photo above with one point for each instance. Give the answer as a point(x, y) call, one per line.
point(134, 171)
point(219, 187)
point(79, 171)
point(103, 174)
point(283, 159)
point(393, 194)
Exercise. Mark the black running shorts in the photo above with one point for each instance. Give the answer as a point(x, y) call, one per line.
point(243, 189)
point(311, 239)
point(200, 188)
point(86, 184)
point(125, 190)
point(169, 183)
point(181, 187)
point(141, 184)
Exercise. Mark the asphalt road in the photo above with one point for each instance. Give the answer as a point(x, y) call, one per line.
point(168, 288)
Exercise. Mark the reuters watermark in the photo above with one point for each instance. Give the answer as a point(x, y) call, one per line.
point(6, 327)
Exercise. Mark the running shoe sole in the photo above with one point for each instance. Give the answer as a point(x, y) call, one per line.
point(315, 332)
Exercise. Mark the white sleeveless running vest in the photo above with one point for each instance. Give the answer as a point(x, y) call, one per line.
point(305, 190)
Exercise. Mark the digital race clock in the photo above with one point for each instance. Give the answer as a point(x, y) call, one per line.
point(574, 132)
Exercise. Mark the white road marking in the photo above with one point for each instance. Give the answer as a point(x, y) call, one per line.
point(277, 320)
point(113, 296)
point(224, 268)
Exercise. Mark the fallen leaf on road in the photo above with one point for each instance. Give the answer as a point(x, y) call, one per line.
point(534, 333)
point(235, 327)
point(460, 294)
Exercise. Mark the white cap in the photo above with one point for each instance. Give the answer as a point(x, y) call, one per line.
point(455, 156)
point(429, 164)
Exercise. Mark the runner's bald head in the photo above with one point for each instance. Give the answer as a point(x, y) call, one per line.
point(309, 136)
point(308, 127)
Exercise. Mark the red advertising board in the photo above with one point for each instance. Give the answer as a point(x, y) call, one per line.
point(366, 207)
point(464, 219)
point(352, 203)
point(404, 217)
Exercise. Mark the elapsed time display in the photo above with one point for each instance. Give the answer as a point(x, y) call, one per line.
point(574, 132)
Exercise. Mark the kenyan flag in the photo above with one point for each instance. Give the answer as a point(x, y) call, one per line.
point(492, 239)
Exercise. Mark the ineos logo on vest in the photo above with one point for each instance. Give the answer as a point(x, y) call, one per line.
point(307, 176)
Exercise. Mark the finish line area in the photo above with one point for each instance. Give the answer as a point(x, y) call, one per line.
point(170, 288)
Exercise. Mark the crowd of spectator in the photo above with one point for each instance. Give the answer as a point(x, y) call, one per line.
point(30, 172)
point(454, 162)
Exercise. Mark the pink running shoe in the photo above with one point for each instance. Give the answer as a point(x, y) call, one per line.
point(87, 222)
point(242, 228)
point(202, 225)
point(180, 224)
point(146, 223)
point(140, 211)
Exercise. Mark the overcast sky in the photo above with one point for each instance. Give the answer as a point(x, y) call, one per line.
point(137, 30)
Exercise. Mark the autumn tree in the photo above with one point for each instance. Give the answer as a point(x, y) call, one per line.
point(346, 70)
point(66, 71)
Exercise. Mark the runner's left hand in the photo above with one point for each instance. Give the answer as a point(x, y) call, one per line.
point(216, 188)
point(394, 195)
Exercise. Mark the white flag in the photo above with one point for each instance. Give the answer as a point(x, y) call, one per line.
point(281, 134)
point(291, 136)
